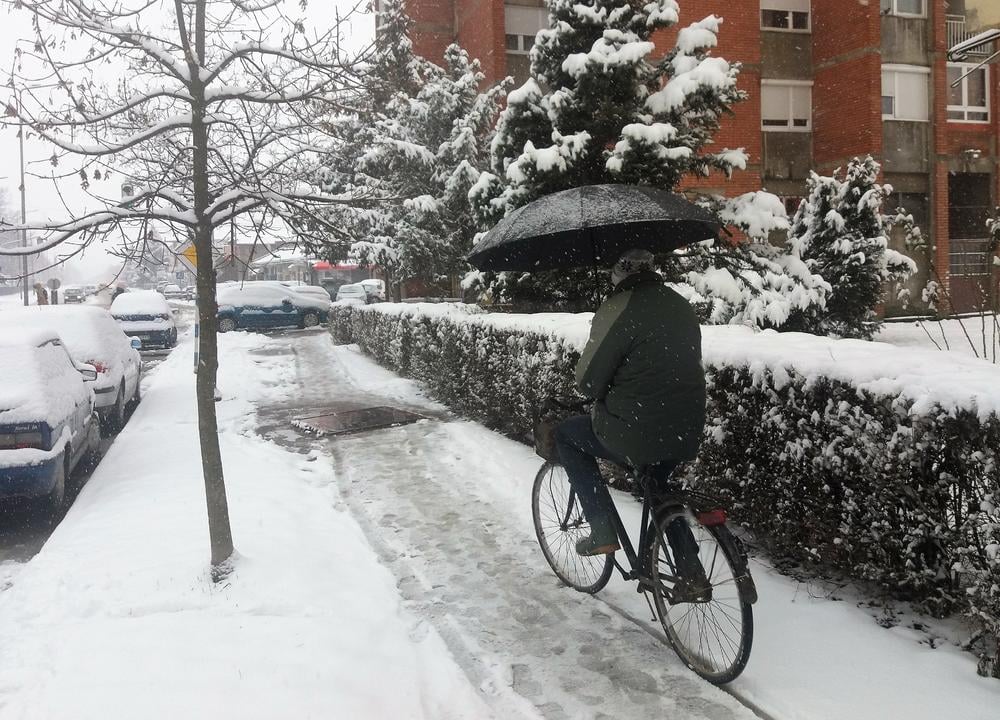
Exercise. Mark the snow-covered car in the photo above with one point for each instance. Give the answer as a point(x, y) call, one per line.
point(146, 315)
point(174, 292)
point(73, 294)
point(47, 420)
point(375, 289)
point(353, 293)
point(259, 306)
point(92, 337)
point(314, 291)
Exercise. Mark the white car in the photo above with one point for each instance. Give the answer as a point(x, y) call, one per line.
point(146, 315)
point(375, 289)
point(174, 292)
point(92, 337)
point(353, 293)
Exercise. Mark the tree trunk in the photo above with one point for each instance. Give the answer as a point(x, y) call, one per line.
point(220, 533)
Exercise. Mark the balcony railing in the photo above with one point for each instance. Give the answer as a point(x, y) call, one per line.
point(958, 32)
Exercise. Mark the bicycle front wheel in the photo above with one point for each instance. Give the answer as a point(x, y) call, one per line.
point(559, 523)
point(705, 612)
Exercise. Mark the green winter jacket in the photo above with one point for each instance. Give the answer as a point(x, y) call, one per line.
point(642, 366)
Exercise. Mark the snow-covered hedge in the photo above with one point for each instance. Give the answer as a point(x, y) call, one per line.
point(878, 461)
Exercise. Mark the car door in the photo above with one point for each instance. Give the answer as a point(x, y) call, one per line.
point(66, 382)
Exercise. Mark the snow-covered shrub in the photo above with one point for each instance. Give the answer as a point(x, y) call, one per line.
point(857, 476)
point(842, 235)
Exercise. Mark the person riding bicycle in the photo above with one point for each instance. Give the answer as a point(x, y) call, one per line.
point(642, 367)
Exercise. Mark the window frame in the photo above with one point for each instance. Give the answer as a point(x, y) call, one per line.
point(892, 10)
point(965, 108)
point(788, 7)
point(521, 42)
point(790, 85)
point(896, 70)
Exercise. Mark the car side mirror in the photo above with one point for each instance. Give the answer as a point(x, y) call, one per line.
point(286, 301)
point(89, 372)
point(136, 343)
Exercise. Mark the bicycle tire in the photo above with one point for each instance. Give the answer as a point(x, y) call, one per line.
point(729, 605)
point(550, 508)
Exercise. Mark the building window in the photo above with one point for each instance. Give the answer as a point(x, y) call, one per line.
point(787, 15)
point(969, 258)
point(969, 101)
point(786, 106)
point(905, 92)
point(519, 44)
point(904, 8)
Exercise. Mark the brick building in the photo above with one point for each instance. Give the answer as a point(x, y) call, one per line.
point(828, 80)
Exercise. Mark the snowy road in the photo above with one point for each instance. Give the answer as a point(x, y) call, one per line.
point(463, 564)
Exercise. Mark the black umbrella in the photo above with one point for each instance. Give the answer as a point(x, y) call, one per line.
point(592, 225)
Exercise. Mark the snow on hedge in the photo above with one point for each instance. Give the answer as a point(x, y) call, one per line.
point(926, 378)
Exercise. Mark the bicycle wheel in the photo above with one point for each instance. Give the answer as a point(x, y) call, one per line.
point(708, 624)
point(559, 523)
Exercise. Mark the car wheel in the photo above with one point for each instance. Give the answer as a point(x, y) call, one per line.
point(137, 395)
point(226, 325)
point(310, 320)
point(116, 418)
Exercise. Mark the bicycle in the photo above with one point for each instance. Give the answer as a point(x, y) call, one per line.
point(694, 567)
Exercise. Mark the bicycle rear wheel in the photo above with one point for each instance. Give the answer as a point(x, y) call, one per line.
point(706, 614)
point(559, 523)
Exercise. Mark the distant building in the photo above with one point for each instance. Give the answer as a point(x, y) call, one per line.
point(828, 80)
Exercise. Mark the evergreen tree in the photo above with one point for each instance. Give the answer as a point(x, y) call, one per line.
point(418, 151)
point(842, 235)
point(610, 114)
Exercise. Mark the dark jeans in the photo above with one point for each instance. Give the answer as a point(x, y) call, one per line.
point(579, 449)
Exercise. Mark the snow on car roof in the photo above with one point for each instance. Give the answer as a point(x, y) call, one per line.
point(140, 302)
point(264, 294)
point(48, 386)
point(89, 332)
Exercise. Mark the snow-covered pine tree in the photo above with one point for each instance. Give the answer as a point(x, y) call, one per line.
point(611, 114)
point(418, 151)
point(842, 235)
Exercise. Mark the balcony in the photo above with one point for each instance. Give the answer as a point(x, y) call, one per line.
point(957, 32)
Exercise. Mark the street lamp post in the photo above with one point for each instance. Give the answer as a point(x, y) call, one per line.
point(24, 214)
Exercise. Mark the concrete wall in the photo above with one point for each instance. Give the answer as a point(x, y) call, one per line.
point(905, 41)
point(906, 146)
point(787, 155)
point(786, 55)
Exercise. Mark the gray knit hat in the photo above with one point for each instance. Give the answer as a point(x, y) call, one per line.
point(631, 262)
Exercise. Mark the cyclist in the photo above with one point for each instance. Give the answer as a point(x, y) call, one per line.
point(642, 367)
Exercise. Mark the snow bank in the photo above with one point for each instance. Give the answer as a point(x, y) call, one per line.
point(116, 617)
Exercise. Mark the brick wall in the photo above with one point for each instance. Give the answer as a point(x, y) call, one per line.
point(847, 81)
point(479, 28)
point(433, 26)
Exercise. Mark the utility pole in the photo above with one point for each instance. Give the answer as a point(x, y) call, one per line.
point(24, 213)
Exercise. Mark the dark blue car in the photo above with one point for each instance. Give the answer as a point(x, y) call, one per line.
point(47, 419)
point(262, 307)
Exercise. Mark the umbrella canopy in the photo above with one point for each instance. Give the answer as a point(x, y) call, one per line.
point(592, 225)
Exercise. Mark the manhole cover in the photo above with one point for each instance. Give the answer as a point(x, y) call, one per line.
point(351, 421)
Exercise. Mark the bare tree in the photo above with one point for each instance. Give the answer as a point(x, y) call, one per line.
point(215, 106)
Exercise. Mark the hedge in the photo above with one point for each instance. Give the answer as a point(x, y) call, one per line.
point(888, 474)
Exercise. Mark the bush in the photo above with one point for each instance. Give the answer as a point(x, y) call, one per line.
point(856, 475)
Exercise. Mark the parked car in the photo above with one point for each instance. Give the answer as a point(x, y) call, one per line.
point(314, 291)
point(92, 337)
point(73, 294)
point(173, 292)
point(146, 315)
point(258, 306)
point(375, 289)
point(353, 293)
point(47, 420)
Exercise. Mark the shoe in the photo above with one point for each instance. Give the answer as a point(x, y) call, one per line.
point(596, 544)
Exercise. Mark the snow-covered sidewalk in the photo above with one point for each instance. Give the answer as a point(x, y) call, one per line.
point(116, 616)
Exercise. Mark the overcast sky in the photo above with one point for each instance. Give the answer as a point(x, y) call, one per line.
point(42, 200)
